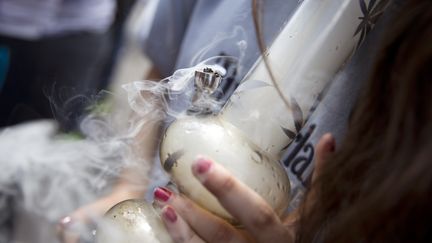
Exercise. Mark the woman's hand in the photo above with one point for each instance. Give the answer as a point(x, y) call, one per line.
point(72, 227)
point(187, 222)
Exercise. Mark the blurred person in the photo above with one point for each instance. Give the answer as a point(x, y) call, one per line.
point(194, 31)
point(56, 55)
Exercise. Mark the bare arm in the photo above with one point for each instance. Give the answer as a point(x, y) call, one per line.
point(131, 183)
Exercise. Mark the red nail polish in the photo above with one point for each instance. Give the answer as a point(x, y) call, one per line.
point(162, 194)
point(170, 214)
point(202, 166)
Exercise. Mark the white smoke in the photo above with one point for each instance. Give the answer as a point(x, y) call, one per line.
point(49, 175)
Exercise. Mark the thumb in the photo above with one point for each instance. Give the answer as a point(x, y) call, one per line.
point(324, 148)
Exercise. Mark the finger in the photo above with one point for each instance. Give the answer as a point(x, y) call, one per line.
point(69, 230)
point(240, 201)
point(324, 148)
point(208, 226)
point(177, 227)
point(69, 237)
point(77, 225)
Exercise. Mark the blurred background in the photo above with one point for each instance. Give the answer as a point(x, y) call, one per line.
point(57, 55)
point(61, 60)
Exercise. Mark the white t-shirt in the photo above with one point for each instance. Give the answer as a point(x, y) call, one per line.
point(34, 19)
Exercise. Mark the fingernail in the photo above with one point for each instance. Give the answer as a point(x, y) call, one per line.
point(331, 143)
point(170, 214)
point(162, 194)
point(202, 165)
point(332, 148)
point(65, 222)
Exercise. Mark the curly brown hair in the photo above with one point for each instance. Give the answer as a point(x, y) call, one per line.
point(378, 186)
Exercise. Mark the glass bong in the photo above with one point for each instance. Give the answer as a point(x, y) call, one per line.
point(251, 131)
point(202, 133)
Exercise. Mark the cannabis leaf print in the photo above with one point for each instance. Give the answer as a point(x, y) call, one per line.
point(297, 114)
point(298, 121)
point(371, 13)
